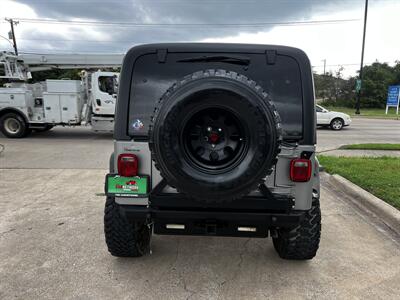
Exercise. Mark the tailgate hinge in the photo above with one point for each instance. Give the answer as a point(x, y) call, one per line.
point(270, 56)
point(162, 55)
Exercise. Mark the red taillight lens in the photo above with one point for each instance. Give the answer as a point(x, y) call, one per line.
point(127, 164)
point(300, 170)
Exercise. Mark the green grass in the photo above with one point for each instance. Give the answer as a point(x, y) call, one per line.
point(378, 175)
point(368, 112)
point(371, 147)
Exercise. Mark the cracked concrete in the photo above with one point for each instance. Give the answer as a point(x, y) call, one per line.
point(39, 258)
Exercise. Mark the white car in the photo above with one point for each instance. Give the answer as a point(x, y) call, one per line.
point(334, 119)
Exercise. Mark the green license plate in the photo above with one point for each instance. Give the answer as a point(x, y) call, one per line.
point(118, 185)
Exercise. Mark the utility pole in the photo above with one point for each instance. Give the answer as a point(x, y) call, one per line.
point(12, 34)
point(362, 60)
point(324, 60)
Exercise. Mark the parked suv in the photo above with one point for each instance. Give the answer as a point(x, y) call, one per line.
point(214, 139)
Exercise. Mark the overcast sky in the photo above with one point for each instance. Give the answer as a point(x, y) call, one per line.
point(108, 26)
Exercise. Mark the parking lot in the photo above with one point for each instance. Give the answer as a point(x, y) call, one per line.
point(52, 244)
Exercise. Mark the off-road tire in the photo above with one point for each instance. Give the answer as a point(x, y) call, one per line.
point(301, 242)
point(166, 122)
point(124, 239)
point(111, 163)
point(22, 129)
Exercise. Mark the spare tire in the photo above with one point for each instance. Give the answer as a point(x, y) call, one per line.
point(215, 135)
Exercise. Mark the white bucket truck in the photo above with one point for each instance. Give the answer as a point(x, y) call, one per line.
point(41, 106)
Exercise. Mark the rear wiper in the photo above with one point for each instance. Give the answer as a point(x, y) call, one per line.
point(237, 60)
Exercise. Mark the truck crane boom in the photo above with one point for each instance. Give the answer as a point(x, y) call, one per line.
point(57, 102)
point(19, 67)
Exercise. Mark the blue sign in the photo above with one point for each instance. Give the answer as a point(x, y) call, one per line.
point(393, 95)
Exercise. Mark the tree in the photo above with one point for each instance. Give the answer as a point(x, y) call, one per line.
point(376, 79)
point(337, 91)
point(333, 89)
point(56, 74)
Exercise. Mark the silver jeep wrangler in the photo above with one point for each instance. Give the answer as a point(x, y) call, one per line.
point(214, 139)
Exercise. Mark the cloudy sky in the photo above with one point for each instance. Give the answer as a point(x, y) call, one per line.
point(325, 29)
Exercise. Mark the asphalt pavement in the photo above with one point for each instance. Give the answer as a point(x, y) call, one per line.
point(361, 130)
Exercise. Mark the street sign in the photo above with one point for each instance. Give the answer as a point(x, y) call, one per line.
point(393, 98)
point(358, 85)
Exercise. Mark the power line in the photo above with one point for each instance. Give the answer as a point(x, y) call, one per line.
point(335, 65)
point(354, 64)
point(51, 51)
point(74, 40)
point(3, 37)
point(133, 24)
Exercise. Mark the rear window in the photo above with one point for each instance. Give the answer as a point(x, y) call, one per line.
point(151, 79)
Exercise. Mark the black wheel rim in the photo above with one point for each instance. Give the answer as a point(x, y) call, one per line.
point(214, 138)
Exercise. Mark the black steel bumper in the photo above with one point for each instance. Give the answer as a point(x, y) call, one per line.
point(207, 222)
point(248, 217)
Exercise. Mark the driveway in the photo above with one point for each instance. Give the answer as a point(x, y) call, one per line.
point(52, 246)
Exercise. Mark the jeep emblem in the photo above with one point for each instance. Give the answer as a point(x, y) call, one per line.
point(137, 124)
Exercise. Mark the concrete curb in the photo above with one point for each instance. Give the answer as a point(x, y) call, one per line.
point(368, 202)
point(360, 153)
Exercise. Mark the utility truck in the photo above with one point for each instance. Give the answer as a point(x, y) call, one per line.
point(41, 106)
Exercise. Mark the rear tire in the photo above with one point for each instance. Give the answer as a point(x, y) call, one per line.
point(13, 125)
point(215, 135)
point(124, 239)
point(301, 242)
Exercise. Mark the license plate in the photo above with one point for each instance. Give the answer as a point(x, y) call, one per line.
point(119, 185)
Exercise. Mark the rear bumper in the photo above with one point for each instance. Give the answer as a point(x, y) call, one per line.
point(217, 223)
point(250, 216)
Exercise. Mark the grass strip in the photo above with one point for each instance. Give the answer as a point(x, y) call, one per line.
point(372, 146)
point(378, 175)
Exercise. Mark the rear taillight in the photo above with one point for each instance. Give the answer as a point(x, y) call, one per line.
point(300, 170)
point(127, 165)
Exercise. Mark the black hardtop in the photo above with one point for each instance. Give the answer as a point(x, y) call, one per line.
point(162, 50)
point(136, 51)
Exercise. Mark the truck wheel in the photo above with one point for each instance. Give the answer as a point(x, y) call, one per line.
point(302, 242)
point(12, 125)
point(124, 239)
point(337, 124)
point(215, 135)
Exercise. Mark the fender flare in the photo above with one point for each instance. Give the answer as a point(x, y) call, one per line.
point(6, 110)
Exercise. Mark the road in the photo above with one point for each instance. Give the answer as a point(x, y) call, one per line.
point(360, 131)
point(76, 148)
point(52, 244)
